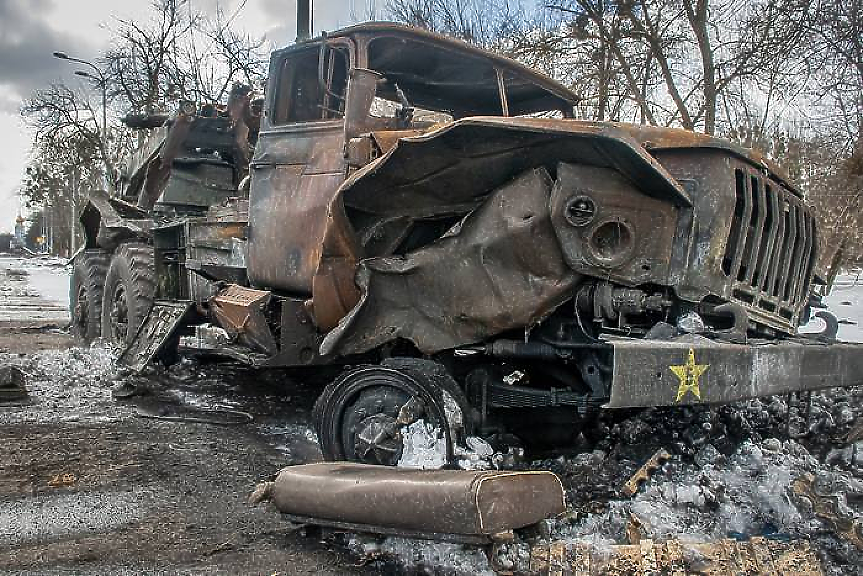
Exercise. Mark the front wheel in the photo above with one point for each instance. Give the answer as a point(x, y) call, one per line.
point(129, 292)
point(361, 416)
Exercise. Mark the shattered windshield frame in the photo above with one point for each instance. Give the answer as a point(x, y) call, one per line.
point(453, 81)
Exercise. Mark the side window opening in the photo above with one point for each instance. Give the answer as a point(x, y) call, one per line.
point(300, 96)
point(383, 107)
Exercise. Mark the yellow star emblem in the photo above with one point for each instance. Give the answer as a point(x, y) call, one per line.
point(689, 374)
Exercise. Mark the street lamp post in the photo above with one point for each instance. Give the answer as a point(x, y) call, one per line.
point(99, 79)
point(103, 130)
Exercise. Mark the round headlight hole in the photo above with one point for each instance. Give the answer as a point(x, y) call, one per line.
point(612, 242)
point(580, 210)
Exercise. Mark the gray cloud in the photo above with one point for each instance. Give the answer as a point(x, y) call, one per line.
point(9, 103)
point(26, 44)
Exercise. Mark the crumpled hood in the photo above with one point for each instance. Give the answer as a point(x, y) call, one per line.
point(458, 160)
point(444, 175)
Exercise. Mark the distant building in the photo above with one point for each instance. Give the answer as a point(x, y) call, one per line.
point(18, 241)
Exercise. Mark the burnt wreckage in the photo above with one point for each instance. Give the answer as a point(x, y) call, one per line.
point(428, 222)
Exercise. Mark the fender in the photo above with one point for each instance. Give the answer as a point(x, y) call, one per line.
point(108, 221)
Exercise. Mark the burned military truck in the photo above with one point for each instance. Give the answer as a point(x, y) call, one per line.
point(428, 224)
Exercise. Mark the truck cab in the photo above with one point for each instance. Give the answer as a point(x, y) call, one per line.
point(337, 103)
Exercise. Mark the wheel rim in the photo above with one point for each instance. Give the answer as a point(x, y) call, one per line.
point(368, 428)
point(119, 315)
point(378, 440)
point(81, 312)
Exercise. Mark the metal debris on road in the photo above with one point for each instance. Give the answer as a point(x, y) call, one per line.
point(477, 507)
point(723, 558)
point(59, 480)
point(219, 416)
point(645, 472)
point(829, 509)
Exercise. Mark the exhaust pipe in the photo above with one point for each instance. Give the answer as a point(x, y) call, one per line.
point(304, 20)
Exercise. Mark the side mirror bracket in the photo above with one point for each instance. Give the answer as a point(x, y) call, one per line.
point(362, 87)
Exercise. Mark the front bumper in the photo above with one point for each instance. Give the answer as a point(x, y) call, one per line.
point(696, 370)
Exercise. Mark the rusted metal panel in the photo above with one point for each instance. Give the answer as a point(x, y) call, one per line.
point(299, 339)
point(449, 49)
point(658, 139)
point(295, 173)
point(215, 250)
point(474, 155)
point(630, 487)
point(109, 221)
point(697, 370)
point(242, 313)
point(386, 140)
point(157, 329)
point(500, 268)
point(589, 202)
point(451, 171)
point(197, 184)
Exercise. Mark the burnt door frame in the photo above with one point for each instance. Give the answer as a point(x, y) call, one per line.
point(295, 172)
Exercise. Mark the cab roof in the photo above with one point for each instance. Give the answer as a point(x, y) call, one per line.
point(441, 73)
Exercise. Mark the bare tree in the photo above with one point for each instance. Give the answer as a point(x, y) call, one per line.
point(177, 55)
point(66, 125)
point(181, 55)
point(485, 23)
point(702, 50)
point(834, 34)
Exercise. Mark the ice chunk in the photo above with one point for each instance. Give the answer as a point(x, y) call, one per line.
point(423, 447)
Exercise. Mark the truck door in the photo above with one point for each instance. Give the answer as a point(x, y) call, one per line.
point(298, 165)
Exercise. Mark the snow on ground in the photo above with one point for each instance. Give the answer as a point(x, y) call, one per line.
point(65, 385)
point(34, 290)
point(845, 301)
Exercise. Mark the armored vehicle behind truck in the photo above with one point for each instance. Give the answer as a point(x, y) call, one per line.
point(428, 224)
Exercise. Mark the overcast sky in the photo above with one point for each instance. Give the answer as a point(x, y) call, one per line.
point(30, 30)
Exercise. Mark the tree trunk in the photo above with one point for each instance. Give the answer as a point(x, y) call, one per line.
point(697, 16)
point(653, 40)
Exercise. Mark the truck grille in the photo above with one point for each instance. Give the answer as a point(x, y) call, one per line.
point(771, 248)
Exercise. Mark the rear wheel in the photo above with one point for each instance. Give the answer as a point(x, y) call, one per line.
point(130, 288)
point(360, 417)
point(85, 294)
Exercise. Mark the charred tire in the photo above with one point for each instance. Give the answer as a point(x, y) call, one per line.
point(364, 403)
point(130, 289)
point(85, 294)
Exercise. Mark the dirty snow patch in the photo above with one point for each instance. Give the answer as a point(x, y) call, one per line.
point(424, 556)
point(65, 385)
point(423, 447)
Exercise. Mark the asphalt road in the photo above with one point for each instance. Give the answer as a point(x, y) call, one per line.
point(89, 486)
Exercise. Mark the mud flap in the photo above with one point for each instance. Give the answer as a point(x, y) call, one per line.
point(157, 329)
